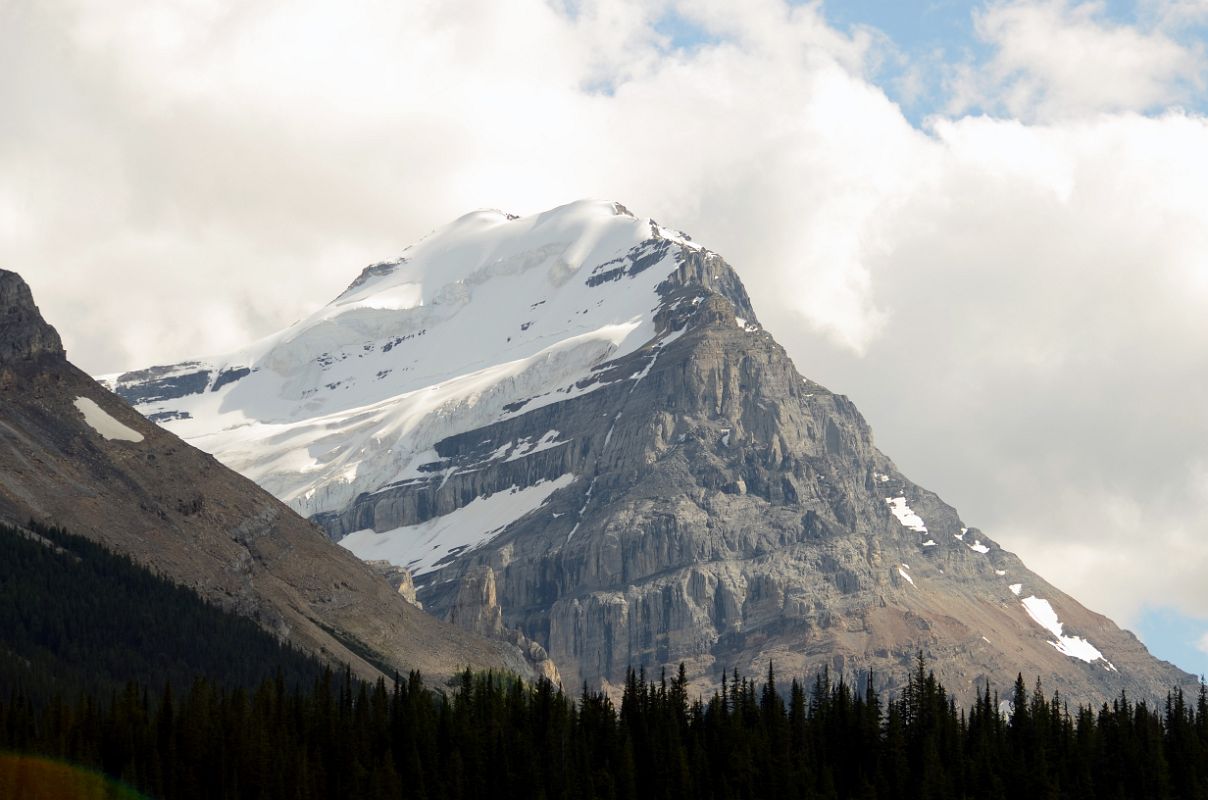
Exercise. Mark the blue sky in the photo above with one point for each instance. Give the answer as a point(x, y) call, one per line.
point(921, 27)
point(1179, 639)
point(926, 41)
point(934, 35)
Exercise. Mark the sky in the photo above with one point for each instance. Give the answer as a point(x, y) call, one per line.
point(985, 222)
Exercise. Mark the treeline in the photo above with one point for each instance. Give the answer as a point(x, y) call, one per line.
point(78, 618)
point(495, 737)
point(107, 666)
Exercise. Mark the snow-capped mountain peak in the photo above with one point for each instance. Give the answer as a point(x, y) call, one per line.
point(486, 312)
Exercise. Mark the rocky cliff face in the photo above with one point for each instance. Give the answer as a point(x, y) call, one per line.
point(633, 472)
point(730, 513)
point(74, 455)
point(24, 335)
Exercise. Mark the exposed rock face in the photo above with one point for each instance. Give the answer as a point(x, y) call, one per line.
point(24, 334)
point(476, 609)
point(633, 473)
point(400, 578)
point(74, 455)
point(731, 513)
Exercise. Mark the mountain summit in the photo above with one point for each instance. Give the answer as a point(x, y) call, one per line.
point(571, 428)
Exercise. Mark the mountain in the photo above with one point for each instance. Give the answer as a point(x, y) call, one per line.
point(76, 456)
point(572, 428)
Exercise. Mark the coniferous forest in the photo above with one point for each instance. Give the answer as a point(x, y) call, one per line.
point(76, 617)
point(187, 727)
point(495, 737)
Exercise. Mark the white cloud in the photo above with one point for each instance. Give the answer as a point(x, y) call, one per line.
point(1054, 59)
point(1027, 299)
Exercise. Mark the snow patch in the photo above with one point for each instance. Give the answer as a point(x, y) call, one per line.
point(978, 547)
point(611, 428)
point(929, 543)
point(547, 441)
point(904, 574)
point(656, 350)
point(1016, 588)
point(582, 509)
point(1042, 614)
point(100, 421)
point(419, 548)
point(908, 518)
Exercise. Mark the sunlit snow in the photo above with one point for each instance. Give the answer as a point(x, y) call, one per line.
point(903, 573)
point(526, 448)
point(908, 518)
point(487, 318)
point(1073, 646)
point(420, 547)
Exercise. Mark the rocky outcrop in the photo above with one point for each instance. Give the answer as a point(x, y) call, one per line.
point(406, 589)
point(24, 335)
point(74, 455)
point(400, 578)
point(476, 609)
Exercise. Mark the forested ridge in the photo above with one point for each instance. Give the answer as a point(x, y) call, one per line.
point(191, 721)
point(76, 617)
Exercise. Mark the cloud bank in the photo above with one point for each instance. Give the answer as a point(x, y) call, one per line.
point(1015, 301)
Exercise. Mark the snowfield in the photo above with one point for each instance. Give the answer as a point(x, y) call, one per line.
point(420, 548)
point(482, 314)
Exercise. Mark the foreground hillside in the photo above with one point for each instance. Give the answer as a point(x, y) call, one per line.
point(74, 455)
point(76, 617)
point(573, 425)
